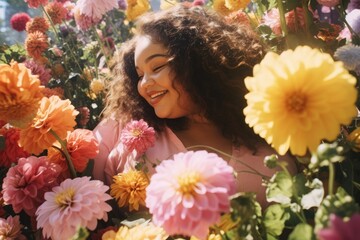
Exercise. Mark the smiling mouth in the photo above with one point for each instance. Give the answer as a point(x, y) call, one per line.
point(158, 94)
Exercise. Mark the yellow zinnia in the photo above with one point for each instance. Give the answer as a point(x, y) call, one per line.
point(54, 115)
point(235, 5)
point(135, 8)
point(146, 230)
point(129, 189)
point(20, 94)
point(298, 98)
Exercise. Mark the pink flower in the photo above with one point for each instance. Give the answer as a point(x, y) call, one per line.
point(40, 70)
point(95, 9)
point(76, 202)
point(272, 19)
point(328, 3)
point(84, 116)
point(25, 184)
point(12, 151)
point(138, 135)
point(295, 22)
point(188, 194)
point(341, 230)
point(10, 228)
point(18, 21)
point(36, 3)
point(83, 21)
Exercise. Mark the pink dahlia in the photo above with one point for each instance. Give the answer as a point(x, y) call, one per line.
point(12, 151)
point(95, 9)
point(25, 184)
point(83, 21)
point(76, 202)
point(10, 228)
point(36, 3)
point(187, 195)
point(328, 3)
point(340, 229)
point(40, 70)
point(138, 135)
point(18, 21)
point(272, 19)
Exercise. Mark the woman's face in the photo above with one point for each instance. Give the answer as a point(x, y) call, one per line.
point(156, 81)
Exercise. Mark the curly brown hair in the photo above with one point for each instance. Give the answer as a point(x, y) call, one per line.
point(211, 58)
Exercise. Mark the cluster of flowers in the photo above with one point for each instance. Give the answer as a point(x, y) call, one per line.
point(46, 148)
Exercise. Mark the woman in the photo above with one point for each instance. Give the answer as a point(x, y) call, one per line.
point(183, 73)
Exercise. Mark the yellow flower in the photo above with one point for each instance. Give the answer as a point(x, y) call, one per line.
point(96, 86)
point(354, 139)
point(20, 94)
point(165, 4)
point(298, 98)
point(54, 115)
point(219, 6)
point(235, 5)
point(135, 8)
point(144, 231)
point(129, 189)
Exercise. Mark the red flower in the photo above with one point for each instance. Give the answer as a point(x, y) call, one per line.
point(18, 21)
point(12, 151)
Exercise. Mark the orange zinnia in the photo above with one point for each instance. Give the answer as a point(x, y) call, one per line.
point(36, 43)
point(81, 145)
point(20, 93)
point(54, 115)
point(37, 24)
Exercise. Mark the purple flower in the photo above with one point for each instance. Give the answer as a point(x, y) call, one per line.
point(353, 18)
point(340, 229)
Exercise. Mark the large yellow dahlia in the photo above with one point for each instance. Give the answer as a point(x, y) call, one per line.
point(20, 94)
point(298, 98)
point(135, 8)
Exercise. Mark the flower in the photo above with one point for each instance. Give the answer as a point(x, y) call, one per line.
point(220, 7)
point(135, 8)
point(186, 195)
point(350, 55)
point(36, 43)
point(37, 24)
point(138, 135)
point(40, 70)
point(20, 93)
point(36, 3)
point(129, 189)
point(340, 229)
point(75, 202)
point(10, 228)
point(328, 3)
point(95, 9)
point(83, 21)
point(99, 233)
point(54, 115)
point(235, 5)
point(353, 19)
point(142, 231)
point(81, 145)
point(12, 151)
point(272, 19)
point(25, 183)
point(57, 91)
point(97, 86)
point(84, 116)
point(295, 21)
point(238, 17)
point(290, 108)
point(56, 11)
point(18, 21)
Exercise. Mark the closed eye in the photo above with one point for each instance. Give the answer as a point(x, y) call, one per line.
point(157, 69)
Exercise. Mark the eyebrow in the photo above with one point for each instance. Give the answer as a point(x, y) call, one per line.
point(154, 56)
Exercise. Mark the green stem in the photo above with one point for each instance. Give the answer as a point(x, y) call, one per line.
point(282, 17)
point(228, 155)
point(308, 19)
point(331, 178)
point(101, 45)
point(66, 153)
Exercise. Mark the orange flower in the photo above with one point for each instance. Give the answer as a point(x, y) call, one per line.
point(37, 24)
point(57, 91)
point(54, 115)
point(20, 93)
point(56, 11)
point(36, 43)
point(81, 145)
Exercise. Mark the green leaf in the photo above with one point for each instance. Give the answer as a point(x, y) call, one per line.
point(302, 231)
point(274, 219)
point(279, 188)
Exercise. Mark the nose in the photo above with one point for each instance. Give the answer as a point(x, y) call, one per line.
point(146, 81)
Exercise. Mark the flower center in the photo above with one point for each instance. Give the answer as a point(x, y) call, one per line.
point(136, 132)
point(296, 102)
point(188, 182)
point(64, 199)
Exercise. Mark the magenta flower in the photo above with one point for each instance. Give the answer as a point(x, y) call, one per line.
point(95, 9)
point(272, 19)
point(36, 3)
point(188, 194)
point(25, 184)
point(40, 70)
point(10, 228)
point(341, 230)
point(328, 3)
point(18, 21)
point(76, 202)
point(138, 135)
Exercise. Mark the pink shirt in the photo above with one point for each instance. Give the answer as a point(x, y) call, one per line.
point(113, 159)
